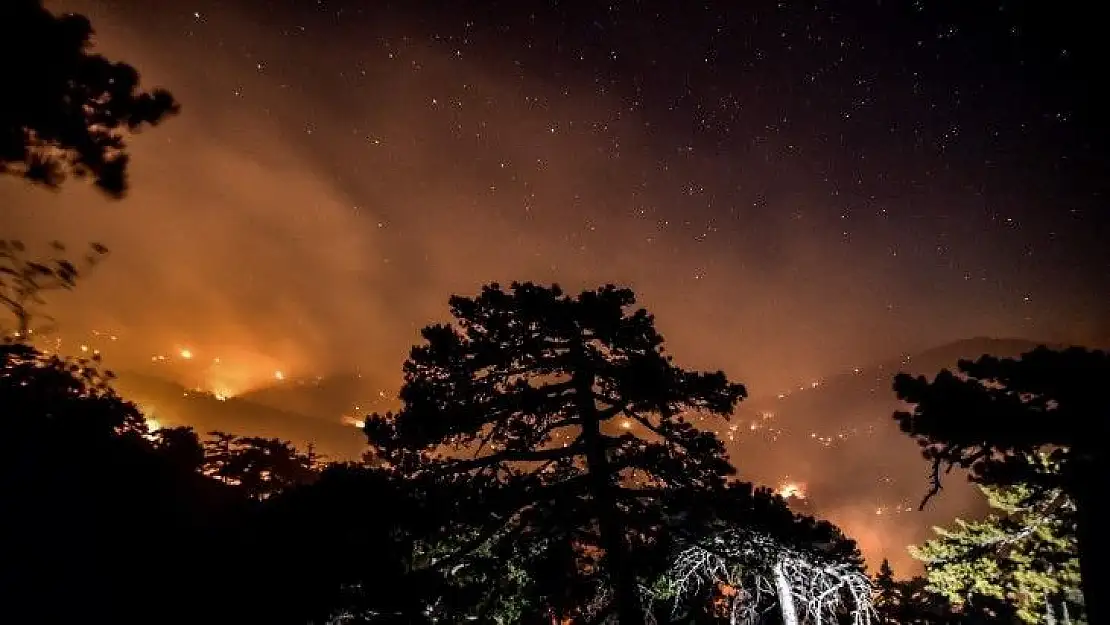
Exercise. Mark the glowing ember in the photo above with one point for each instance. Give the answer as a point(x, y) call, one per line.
point(278, 375)
point(792, 490)
point(358, 423)
point(186, 354)
point(153, 424)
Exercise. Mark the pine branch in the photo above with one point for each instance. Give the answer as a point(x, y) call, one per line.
point(511, 455)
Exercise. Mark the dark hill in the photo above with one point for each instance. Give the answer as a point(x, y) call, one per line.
point(836, 437)
point(328, 398)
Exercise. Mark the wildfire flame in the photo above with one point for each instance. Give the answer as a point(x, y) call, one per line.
point(353, 422)
point(792, 490)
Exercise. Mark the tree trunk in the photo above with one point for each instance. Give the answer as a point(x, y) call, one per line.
point(629, 610)
point(1092, 505)
point(786, 596)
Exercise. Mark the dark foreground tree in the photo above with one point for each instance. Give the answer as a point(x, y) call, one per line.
point(259, 467)
point(105, 521)
point(98, 524)
point(569, 423)
point(24, 282)
point(998, 417)
point(912, 602)
point(336, 550)
point(66, 111)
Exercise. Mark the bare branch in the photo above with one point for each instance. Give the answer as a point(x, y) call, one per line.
point(757, 567)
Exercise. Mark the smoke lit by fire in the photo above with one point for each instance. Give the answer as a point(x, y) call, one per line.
point(792, 490)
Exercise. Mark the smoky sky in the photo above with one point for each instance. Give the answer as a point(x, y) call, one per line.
point(792, 190)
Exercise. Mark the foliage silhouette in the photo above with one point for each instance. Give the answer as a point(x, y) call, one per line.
point(523, 401)
point(339, 546)
point(129, 526)
point(86, 493)
point(24, 282)
point(259, 467)
point(68, 110)
point(911, 602)
point(998, 417)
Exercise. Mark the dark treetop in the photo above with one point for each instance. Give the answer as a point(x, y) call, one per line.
point(565, 414)
point(65, 110)
point(998, 416)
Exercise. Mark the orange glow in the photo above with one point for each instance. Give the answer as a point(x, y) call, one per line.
point(251, 259)
point(234, 371)
point(358, 423)
point(792, 490)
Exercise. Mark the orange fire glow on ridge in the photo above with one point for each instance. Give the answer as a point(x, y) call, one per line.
point(792, 490)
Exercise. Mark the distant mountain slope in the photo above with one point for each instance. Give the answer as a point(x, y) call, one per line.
point(172, 404)
point(837, 436)
point(328, 397)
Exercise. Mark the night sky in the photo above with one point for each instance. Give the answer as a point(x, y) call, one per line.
point(794, 189)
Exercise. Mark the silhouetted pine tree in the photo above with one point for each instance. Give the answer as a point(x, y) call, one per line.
point(1001, 417)
point(569, 423)
point(912, 602)
point(260, 467)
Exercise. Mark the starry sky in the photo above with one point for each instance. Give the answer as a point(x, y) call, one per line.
point(793, 188)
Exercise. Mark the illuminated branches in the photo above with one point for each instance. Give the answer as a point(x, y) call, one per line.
point(522, 401)
point(65, 112)
point(1025, 555)
point(999, 417)
point(751, 573)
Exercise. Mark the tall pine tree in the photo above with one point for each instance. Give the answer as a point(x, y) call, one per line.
point(999, 417)
point(573, 422)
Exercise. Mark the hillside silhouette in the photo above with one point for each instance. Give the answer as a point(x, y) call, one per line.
point(834, 439)
point(845, 417)
point(172, 404)
point(326, 397)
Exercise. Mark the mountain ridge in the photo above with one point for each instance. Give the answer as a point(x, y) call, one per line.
point(834, 441)
point(173, 404)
